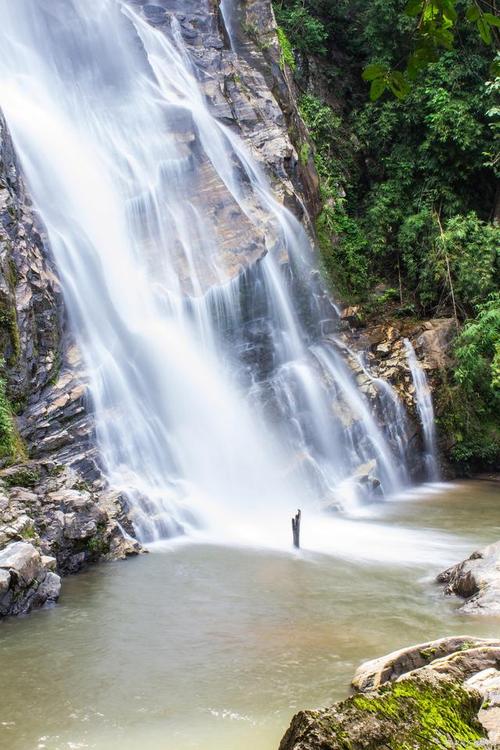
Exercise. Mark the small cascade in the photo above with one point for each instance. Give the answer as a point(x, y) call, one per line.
point(228, 10)
point(425, 409)
point(392, 415)
point(191, 290)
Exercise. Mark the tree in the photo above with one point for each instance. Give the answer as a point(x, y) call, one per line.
point(434, 29)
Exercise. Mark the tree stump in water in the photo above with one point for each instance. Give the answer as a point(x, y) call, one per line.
point(296, 529)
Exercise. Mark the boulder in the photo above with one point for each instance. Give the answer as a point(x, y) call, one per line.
point(371, 674)
point(418, 713)
point(27, 580)
point(440, 694)
point(477, 580)
point(487, 683)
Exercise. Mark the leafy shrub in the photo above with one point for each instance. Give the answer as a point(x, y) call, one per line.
point(287, 56)
point(307, 34)
point(471, 404)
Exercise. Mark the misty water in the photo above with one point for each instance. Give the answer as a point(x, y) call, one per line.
point(202, 646)
point(219, 390)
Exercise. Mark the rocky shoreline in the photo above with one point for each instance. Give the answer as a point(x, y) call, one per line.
point(441, 694)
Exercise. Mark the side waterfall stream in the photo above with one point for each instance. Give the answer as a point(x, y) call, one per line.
point(220, 405)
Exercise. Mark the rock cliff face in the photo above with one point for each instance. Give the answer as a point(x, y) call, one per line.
point(376, 349)
point(52, 491)
point(442, 694)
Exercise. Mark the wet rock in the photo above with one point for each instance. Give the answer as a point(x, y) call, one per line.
point(155, 13)
point(372, 674)
point(487, 683)
point(435, 342)
point(441, 694)
point(477, 580)
point(352, 316)
point(418, 713)
point(66, 517)
point(27, 580)
point(371, 486)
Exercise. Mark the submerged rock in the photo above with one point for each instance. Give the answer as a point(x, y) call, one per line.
point(441, 694)
point(27, 579)
point(477, 580)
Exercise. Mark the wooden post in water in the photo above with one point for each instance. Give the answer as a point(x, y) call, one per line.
point(296, 529)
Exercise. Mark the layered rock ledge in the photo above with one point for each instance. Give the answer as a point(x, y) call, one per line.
point(441, 694)
point(53, 495)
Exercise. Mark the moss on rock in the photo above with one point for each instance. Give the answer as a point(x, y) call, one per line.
point(424, 712)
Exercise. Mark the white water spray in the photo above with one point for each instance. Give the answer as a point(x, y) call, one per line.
point(425, 409)
point(216, 401)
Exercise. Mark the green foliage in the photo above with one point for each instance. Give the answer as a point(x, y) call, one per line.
point(471, 403)
point(477, 353)
point(304, 154)
point(287, 56)
point(467, 252)
point(435, 26)
point(22, 477)
point(408, 181)
point(473, 249)
point(343, 250)
point(382, 78)
point(341, 240)
point(8, 322)
point(7, 430)
point(97, 546)
point(424, 159)
point(28, 533)
point(306, 33)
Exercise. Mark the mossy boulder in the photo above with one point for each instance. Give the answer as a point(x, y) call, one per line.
point(421, 712)
point(436, 695)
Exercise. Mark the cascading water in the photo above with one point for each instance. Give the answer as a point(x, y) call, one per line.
point(217, 399)
point(425, 409)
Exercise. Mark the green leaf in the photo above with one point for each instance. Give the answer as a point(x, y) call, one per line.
point(495, 69)
point(449, 12)
point(473, 13)
point(484, 30)
point(491, 19)
point(398, 84)
point(426, 54)
point(377, 88)
point(413, 8)
point(371, 72)
point(444, 38)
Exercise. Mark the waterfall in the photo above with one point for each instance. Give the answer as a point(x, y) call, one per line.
point(190, 289)
point(228, 11)
point(425, 410)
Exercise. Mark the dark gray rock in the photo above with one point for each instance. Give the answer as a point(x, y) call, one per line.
point(26, 579)
point(477, 580)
